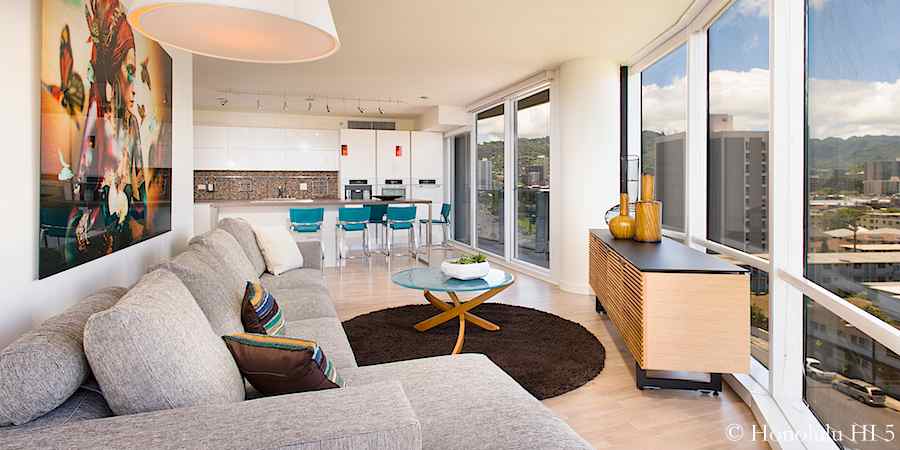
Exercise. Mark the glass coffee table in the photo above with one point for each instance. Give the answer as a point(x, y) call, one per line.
point(431, 279)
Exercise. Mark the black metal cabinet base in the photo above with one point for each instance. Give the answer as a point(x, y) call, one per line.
point(714, 385)
point(599, 306)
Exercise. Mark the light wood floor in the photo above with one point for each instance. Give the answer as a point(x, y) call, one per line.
point(609, 411)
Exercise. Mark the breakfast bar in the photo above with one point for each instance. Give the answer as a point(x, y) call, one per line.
point(274, 211)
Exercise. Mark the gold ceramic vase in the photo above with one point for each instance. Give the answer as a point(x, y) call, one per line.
point(647, 214)
point(622, 226)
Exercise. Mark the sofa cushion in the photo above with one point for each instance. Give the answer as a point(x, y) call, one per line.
point(43, 367)
point(260, 313)
point(220, 250)
point(293, 279)
point(156, 350)
point(245, 236)
point(310, 302)
point(470, 398)
point(219, 303)
point(278, 248)
point(329, 334)
point(84, 404)
point(277, 365)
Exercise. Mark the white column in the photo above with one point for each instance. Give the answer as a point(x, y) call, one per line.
point(182, 148)
point(585, 173)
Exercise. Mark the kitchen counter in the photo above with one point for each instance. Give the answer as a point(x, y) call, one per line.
point(207, 214)
point(310, 202)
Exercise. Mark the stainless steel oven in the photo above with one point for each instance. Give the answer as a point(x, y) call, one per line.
point(358, 190)
point(393, 187)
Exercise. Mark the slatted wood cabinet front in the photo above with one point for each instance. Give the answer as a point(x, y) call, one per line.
point(697, 322)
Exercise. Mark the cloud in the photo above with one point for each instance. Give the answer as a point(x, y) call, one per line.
point(664, 108)
point(753, 7)
point(838, 108)
point(744, 95)
point(817, 4)
point(844, 108)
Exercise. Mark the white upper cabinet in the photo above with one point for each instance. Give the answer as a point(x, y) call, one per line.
point(393, 155)
point(427, 156)
point(210, 137)
point(359, 161)
point(242, 148)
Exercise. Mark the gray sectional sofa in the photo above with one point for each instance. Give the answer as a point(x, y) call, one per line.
point(164, 378)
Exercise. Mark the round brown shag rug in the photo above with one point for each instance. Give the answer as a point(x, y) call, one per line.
point(546, 354)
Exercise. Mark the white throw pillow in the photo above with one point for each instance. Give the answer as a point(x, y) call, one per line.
point(279, 248)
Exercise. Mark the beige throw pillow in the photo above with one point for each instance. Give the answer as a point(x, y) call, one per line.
point(279, 248)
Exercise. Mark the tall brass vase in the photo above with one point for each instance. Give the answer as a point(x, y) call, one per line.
point(647, 214)
point(622, 226)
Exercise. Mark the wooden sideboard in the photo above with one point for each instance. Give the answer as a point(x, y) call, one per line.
point(677, 309)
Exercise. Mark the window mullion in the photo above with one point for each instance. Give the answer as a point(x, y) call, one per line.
point(786, 192)
point(695, 157)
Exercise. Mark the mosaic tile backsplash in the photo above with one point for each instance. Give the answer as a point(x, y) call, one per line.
point(260, 185)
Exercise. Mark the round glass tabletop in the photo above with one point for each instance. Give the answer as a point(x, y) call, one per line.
point(432, 279)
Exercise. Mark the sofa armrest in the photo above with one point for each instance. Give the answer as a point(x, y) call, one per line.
point(312, 254)
point(375, 416)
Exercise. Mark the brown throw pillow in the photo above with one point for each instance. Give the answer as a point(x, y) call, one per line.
point(260, 313)
point(281, 365)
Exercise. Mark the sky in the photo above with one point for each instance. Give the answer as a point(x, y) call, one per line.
point(531, 123)
point(854, 69)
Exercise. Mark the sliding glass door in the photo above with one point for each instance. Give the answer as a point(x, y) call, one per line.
point(532, 178)
point(462, 189)
point(490, 159)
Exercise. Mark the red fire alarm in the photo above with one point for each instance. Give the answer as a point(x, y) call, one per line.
point(398, 151)
point(344, 150)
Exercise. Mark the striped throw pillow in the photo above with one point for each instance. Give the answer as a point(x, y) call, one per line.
point(260, 312)
point(282, 365)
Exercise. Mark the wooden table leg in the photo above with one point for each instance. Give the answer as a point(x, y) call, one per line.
point(462, 328)
point(458, 310)
point(444, 306)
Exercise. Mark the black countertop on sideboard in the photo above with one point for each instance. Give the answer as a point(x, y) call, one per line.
point(666, 256)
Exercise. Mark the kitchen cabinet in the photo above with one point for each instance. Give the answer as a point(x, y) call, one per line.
point(427, 156)
point(391, 163)
point(359, 162)
point(243, 148)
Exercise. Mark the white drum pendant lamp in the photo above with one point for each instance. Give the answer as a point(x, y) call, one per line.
point(263, 31)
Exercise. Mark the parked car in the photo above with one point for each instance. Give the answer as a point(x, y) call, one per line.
point(860, 390)
point(815, 371)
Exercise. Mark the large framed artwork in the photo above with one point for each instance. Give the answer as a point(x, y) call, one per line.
point(106, 142)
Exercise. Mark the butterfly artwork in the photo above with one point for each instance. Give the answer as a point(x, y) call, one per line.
point(106, 140)
point(145, 73)
point(70, 91)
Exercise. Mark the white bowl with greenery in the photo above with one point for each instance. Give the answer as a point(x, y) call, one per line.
point(468, 267)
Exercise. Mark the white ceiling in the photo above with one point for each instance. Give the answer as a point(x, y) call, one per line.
point(452, 51)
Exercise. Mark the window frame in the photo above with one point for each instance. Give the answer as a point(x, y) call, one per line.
point(509, 102)
point(776, 393)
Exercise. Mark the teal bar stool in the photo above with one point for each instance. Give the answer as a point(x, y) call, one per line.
point(376, 217)
point(444, 222)
point(307, 221)
point(401, 218)
point(351, 220)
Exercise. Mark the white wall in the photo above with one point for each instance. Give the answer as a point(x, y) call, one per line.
point(285, 120)
point(585, 173)
point(27, 301)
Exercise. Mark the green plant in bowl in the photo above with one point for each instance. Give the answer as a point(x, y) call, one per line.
point(471, 259)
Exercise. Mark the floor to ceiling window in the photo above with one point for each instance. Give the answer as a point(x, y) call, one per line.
point(462, 189)
point(738, 148)
point(532, 171)
point(490, 130)
point(853, 211)
point(663, 126)
point(831, 152)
